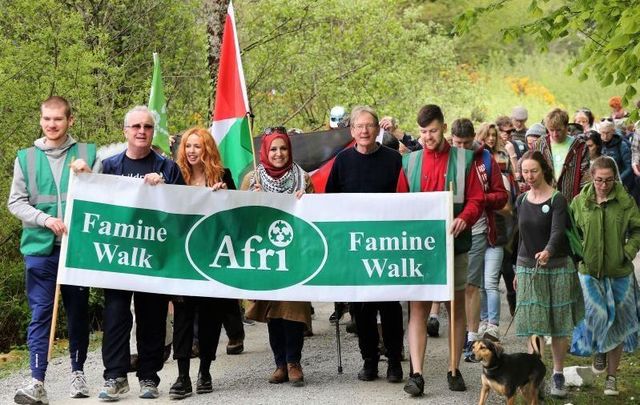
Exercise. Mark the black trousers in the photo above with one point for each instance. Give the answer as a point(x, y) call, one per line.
point(232, 318)
point(209, 323)
point(286, 339)
point(151, 317)
point(366, 323)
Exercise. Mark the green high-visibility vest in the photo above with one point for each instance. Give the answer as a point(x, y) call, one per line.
point(44, 195)
point(459, 165)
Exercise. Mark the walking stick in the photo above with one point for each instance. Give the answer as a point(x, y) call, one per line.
point(338, 345)
point(54, 319)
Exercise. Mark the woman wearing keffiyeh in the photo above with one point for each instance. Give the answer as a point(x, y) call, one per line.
point(278, 173)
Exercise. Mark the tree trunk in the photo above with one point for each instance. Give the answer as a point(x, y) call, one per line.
point(216, 12)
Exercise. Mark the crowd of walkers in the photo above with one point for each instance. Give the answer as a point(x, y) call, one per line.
point(550, 208)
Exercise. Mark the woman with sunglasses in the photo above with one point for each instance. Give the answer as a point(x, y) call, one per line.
point(201, 166)
point(610, 224)
point(286, 320)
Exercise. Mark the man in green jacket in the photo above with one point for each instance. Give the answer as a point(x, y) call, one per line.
point(37, 198)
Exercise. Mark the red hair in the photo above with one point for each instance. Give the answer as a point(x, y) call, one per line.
point(211, 160)
point(615, 102)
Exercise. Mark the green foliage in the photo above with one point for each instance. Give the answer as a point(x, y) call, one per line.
point(300, 59)
point(609, 32)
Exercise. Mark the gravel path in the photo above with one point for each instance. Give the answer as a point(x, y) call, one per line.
point(243, 379)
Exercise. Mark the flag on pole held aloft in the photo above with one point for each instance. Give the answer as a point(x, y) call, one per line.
point(230, 127)
point(158, 107)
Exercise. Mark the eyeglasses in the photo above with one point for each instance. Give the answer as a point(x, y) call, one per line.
point(603, 181)
point(360, 127)
point(507, 131)
point(275, 130)
point(137, 127)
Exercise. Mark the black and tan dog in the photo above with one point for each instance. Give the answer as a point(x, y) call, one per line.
point(508, 373)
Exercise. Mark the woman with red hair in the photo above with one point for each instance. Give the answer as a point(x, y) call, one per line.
point(286, 320)
point(201, 165)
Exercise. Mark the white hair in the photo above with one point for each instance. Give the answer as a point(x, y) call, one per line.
point(139, 108)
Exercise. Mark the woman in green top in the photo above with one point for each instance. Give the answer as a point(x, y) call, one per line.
point(609, 220)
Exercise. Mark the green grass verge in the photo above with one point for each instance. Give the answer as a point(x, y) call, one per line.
point(18, 358)
point(628, 382)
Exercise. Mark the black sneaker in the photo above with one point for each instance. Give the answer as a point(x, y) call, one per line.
point(456, 383)
point(181, 388)
point(468, 354)
point(394, 372)
point(369, 371)
point(203, 385)
point(414, 385)
point(433, 327)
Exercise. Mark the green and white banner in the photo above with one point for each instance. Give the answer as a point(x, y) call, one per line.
point(182, 240)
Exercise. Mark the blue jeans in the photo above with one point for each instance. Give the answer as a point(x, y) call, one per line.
point(286, 339)
point(40, 280)
point(490, 294)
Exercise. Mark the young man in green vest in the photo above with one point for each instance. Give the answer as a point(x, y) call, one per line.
point(37, 198)
point(433, 169)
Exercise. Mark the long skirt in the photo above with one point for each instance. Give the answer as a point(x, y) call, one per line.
point(612, 315)
point(548, 301)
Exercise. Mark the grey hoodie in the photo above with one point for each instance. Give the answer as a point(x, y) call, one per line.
point(18, 203)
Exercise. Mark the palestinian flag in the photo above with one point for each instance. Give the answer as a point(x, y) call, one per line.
point(230, 127)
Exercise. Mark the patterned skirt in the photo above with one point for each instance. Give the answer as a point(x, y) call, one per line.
point(548, 301)
point(612, 315)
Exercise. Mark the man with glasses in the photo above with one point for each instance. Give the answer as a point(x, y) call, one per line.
point(369, 167)
point(568, 156)
point(138, 161)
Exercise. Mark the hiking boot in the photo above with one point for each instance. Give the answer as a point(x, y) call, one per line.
point(599, 364)
point(469, 357)
point(204, 385)
point(34, 393)
point(308, 331)
point(557, 386)
point(433, 327)
point(414, 385)
point(279, 376)
point(78, 388)
point(112, 389)
point(235, 346)
point(611, 386)
point(339, 309)
point(181, 388)
point(369, 371)
point(492, 333)
point(456, 383)
point(148, 389)
point(294, 370)
point(394, 372)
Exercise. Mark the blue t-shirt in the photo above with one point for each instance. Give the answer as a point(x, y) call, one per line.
point(137, 167)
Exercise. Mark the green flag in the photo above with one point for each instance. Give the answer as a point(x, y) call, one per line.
point(158, 107)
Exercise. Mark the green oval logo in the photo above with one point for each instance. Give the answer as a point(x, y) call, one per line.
point(256, 248)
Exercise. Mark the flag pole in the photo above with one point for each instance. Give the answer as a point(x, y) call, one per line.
point(253, 148)
point(54, 319)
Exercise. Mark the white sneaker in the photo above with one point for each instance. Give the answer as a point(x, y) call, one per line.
point(492, 333)
point(33, 393)
point(78, 388)
point(610, 386)
point(482, 328)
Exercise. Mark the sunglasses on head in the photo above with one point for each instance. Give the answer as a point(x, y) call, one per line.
point(275, 130)
point(606, 119)
point(584, 110)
